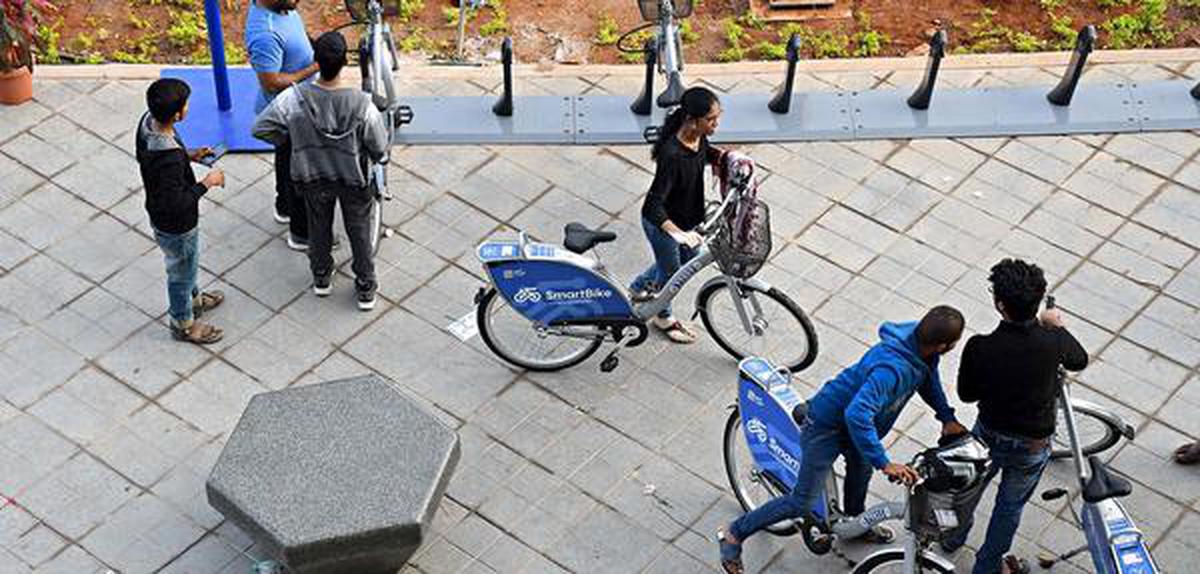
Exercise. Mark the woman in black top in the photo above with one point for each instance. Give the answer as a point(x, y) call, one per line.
point(675, 204)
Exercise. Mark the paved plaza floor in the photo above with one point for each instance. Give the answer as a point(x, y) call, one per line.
point(108, 428)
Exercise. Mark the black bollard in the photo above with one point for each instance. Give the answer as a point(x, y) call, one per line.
point(782, 102)
point(504, 106)
point(641, 106)
point(1062, 93)
point(919, 100)
point(1196, 91)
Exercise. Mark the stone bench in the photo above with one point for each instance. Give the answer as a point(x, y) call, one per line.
point(343, 476)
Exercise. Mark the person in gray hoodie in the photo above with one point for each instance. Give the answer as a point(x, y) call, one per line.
point(334, 131)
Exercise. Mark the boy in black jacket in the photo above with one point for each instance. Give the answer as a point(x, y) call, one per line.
point(172, 200)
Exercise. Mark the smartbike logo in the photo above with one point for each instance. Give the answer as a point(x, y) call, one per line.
point(533, 295)
point(758, 430)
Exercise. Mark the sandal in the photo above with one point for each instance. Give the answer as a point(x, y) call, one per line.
point(677, 332)
point(1015, 565)
point(1187, 454)
point(207, 301)
point(731, 555)
point(198, 333)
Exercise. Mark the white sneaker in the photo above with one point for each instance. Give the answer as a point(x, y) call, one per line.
point(296, 244)
point(281, 218)
point(323, 286)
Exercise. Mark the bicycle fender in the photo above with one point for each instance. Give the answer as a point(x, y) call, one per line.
point(753, 282)
point(1113, 419)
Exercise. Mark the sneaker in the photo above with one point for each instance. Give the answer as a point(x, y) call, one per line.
point(281, 218)
point(365, 297)
point(641, 295)
point(322, 286)
point(297, 243)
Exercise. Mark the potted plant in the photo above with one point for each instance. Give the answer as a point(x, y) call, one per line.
point(18, 29)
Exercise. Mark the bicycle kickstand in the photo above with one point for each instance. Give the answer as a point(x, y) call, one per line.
point(610, 362)
point(1049, 559)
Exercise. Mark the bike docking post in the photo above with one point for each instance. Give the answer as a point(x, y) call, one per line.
point(504, 106)
point(782, 102)
point(1196, 91)
point(1062, 93)
point(919, 100)
point(643, 104)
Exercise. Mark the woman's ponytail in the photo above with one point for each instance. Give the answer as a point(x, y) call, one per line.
point(696, 102)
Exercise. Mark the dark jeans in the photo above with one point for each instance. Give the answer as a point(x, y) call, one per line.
point(1020, 467)
point(181, 254)
point(287, 199)
point(669, 255)
point(320, 198)
point(821, 447)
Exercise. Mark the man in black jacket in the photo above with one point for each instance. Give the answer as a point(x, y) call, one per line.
point(1012, 374)
point(172, 200)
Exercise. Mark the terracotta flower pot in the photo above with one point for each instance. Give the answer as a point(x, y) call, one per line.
point(16, 87)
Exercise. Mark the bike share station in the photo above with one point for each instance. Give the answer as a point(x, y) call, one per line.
point(767, 415)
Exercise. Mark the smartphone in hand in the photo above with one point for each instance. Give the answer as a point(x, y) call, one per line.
point(210, 159)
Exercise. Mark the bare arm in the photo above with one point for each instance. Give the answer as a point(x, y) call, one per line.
point(275, 82)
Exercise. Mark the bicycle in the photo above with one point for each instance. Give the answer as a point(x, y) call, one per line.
point(377, 61)
point(762, 453)
point(548, 308)
point(669, 49)
point(1113, 539)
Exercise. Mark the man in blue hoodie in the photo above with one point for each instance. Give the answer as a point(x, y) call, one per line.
point(848, 416)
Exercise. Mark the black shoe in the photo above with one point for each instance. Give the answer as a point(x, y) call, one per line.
point(297, 243)
point(322, 285)
point(365, 296)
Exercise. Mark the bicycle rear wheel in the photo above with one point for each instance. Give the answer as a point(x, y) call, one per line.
point(517, 340)
point(781, 333)
point(750, 485)
point(1096, 435)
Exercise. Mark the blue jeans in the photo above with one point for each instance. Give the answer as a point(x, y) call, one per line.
point(669, 256)
point(821, 446)
point(1021, 470)
point(181, 253)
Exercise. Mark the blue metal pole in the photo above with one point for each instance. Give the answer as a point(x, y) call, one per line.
point(216, 49)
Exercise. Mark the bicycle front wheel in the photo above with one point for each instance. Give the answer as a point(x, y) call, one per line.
point(1096, 435)
point(779, 329)
point(892, 562)
point(375, 219)
point(517, 340)
point(750, 485)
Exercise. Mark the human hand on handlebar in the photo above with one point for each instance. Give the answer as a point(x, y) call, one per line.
point(689, 238)
point(1052, 317)
point(953, 428)
point(901, 473)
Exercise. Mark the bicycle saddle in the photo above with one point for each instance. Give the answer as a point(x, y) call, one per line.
point(1103, 484)
point(578, 239)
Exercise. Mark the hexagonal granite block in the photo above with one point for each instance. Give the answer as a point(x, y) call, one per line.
point(343, 476)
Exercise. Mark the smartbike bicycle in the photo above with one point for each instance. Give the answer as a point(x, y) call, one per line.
point(549, 307)
point(1113, 539)
point(377, 62)
point(663, 15)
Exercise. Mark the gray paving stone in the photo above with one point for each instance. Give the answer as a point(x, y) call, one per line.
point(605, 541)
point(36, 154)
point(1175, 211)
point(78, 496)
point(37, 546)
point(142, 536)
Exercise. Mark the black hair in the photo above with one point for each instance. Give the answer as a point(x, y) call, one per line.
point(1018, 285)
point(940, 326)
point(696, 102)
point(166, 97)
point(330, 53)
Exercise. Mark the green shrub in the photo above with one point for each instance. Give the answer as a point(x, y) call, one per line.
point(607, 32)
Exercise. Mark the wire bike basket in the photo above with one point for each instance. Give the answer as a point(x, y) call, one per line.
point(743, 235)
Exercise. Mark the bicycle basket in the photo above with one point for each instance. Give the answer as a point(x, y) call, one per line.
point(649, 9)
point(741, 252)
point(943, 504)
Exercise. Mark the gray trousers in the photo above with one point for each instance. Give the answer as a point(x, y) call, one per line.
point(320, 197)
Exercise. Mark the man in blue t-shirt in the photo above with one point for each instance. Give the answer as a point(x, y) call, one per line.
point(281, 54)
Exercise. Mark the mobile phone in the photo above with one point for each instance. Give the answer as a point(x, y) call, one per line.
point(210, 159)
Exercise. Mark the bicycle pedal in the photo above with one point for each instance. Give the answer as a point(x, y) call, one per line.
point(609, 364)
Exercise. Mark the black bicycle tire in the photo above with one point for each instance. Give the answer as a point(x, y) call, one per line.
point(1111, 436)
point(810, 333)
point(635, 30)
point(896, 555)
point(376, 222)
point(732, 426)
point(485, 334)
